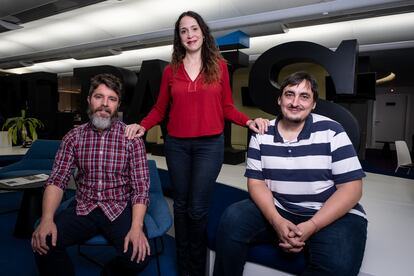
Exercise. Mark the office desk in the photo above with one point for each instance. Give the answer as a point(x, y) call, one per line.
point(30, 207)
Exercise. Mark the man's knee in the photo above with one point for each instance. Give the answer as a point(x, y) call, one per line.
point(231, 225)
point(230, 218)
point(329, 266)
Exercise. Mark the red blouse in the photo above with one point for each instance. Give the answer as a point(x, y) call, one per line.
point(196, 109)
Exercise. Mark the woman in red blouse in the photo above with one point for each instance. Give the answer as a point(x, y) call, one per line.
point(196, 87)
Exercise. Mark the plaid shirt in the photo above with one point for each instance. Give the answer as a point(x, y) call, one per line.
point(111, 169)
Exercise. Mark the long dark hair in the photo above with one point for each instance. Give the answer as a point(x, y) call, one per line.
point(210, 54)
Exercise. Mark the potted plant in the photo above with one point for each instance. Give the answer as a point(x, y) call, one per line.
point(22, 128)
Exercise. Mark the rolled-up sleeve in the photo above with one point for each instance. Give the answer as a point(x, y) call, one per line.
point(139, 175)
point(63, 164)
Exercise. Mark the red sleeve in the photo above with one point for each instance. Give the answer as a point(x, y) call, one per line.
point(230, 111)
point(157, 112)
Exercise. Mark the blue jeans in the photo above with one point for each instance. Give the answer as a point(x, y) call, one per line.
point(193, 165)
point(337, 249)
point(73, 229)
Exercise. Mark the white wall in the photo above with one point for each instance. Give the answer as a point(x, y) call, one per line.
point(409, 118)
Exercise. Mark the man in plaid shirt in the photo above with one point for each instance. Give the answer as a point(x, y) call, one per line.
point(112, 190)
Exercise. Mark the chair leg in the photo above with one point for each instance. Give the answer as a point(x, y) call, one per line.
point(157, 259)
point(157, 253)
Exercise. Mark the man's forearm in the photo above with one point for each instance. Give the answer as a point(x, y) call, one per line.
point(263, 198)
point(52, 197)
point(138, 214)
point(346, 196)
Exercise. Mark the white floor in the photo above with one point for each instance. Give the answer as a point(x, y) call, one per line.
point(389, 203)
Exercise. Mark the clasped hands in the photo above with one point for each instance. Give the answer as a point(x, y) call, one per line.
point(292, 237)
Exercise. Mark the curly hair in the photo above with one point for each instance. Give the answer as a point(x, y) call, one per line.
point(210, 54)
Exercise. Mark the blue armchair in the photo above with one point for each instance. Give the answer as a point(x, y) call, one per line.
point(38, 159)
point(158, 219)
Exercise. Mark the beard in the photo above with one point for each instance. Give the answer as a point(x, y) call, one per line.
point(101, 122)
point(294, 120)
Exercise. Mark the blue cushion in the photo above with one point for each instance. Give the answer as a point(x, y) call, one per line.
point(264, 254)
point(38, 159)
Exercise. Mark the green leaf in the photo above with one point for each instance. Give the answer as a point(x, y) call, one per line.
point(22, 127)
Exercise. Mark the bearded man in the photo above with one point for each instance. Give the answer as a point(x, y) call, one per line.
point(304, 181)
point(111, 195)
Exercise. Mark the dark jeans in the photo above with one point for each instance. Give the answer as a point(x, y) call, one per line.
point(337, 249)
point(193, 165)
point(73, 229)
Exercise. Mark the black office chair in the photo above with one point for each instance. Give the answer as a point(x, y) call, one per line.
point(342, 116)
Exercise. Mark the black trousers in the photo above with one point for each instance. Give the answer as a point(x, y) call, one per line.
point(193, 165)
point(73, 229)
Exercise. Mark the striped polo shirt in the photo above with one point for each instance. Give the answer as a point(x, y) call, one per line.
point(302, 173)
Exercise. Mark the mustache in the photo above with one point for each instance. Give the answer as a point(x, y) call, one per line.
point(103, 108)
point(295, 106)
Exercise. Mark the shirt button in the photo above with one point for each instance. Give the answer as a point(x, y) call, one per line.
point(101, 152)
point(290, 151)
point(100, 182)
point(99, 194)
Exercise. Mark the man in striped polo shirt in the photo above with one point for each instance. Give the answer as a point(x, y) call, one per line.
point(304, 181)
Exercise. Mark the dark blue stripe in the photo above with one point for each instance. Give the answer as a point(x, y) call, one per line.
point(348, 176)
point(343, 153)
point(298, 175)
point(270, 130)
point(325, 125)
point(254, 154)
point(297, 151)
point(321, 197)
point(359, 207)
point(254, 174)
point(298, 209)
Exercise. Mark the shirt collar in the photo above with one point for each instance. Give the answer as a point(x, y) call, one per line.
point(304, 133)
